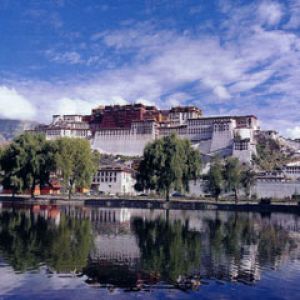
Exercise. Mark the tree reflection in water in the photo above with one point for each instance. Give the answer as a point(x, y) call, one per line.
point(26, 241)
point(169, 250)
point(233, 249)
point(174, 250)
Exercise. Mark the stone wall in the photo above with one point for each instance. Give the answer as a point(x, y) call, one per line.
point(197, 188)
point(279, 190)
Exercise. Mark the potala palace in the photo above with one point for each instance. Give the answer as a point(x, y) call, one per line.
point(126, 129)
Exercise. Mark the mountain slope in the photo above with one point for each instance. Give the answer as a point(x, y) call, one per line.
point(11, 128)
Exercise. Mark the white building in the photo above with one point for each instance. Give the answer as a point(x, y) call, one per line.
point(227, 135)
point(114, 180)
point(66, 126)
point(292, 170)
point(127, 129)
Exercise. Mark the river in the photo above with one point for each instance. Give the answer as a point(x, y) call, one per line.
point(68, 252)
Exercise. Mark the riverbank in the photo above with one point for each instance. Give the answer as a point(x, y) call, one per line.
point(185, 204)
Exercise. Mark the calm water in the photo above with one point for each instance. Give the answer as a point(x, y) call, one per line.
point(68, 252)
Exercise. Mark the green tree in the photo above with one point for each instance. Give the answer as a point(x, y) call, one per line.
point(269, 154)
point(26, 162)
point(192, 163)
point(10, 168)
point(232, 175)
point(76, 163)
point(215, 178)
point(247, 180)
point(168, 163)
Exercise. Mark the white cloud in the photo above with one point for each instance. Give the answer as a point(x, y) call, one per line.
point(176, 99)
point(72, 106)
point(293, 132)
point(249, 58)
point(270, 12)
point(145, 102)
point(250, 81)
point(221, 92)
point(14, 105)
point(69, 57)
point(220, 72)
point(294, 20)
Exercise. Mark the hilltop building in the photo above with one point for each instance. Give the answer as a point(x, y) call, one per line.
point(115, 132)
point(126, 129)
point(66, 126)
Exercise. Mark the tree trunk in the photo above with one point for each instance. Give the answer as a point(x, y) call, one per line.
point(167, 195)
point(70, 189)
point(167, 216)
point(250, 193)
point(32, 189)
point(70, 193)
point(217, 198)
point(236, 196)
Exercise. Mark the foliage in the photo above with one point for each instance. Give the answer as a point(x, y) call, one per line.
point(26, 162)
point(168, 163)
point(269, 155)
point(232, 175)
point(216, 178)
point(30, 159)
point(76, 163)
point(247, 179)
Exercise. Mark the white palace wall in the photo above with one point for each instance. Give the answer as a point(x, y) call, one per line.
point(208, 135)
point(221, 139)
point(124, 143)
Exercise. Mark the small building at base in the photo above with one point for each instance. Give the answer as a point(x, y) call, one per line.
point(114, 180)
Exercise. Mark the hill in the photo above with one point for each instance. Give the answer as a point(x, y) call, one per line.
point(11, 128)
point(274, 152)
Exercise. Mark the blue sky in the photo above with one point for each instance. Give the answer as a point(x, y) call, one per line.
point(227, 57)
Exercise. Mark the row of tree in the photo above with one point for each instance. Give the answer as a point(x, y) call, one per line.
point(30, 160)
point(229, 176)
point(169, 163)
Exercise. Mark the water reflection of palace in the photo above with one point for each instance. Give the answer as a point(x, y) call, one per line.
point(159, 245)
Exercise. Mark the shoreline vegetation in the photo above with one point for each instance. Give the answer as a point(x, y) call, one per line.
point(168, 165)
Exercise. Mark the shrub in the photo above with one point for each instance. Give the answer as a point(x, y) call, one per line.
point(265, 201)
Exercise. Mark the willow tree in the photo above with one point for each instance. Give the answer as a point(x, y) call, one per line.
point(247, 180)
point(76, 163)
point(233, 175)
point(27, 162)
point(216, 178)
point(168, 163)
